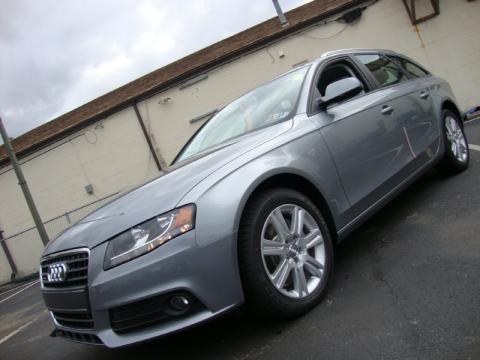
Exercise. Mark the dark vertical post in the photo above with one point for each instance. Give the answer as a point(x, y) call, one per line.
point(147, 137)
point(414, 13)
point(23, 184)
point(8, 255)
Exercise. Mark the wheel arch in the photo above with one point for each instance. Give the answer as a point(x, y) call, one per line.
point(295, 182)
point(450, 105)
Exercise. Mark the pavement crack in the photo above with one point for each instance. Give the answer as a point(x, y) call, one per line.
point(379, 275)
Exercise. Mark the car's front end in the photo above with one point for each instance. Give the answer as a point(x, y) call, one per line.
point(136, 268)
point(163, 257)
point(157, 293)
point(159, 258)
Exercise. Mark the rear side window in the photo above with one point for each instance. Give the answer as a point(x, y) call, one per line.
point(411, 68)
point(383, 69)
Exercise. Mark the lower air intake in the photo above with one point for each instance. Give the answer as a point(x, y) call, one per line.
point(75, 320)
point(153, 311)
point(78, 337)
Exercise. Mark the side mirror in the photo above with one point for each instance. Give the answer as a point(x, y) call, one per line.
point(340, 90)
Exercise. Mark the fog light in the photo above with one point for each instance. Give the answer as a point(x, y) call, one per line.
point(179, 304)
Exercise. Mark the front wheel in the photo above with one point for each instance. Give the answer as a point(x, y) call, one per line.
point(457, 154)
point(285, 253)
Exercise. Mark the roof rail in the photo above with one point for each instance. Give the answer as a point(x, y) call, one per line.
point(347, 51)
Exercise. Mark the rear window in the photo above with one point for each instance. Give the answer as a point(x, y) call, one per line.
point(383, 69)
point(412, 69)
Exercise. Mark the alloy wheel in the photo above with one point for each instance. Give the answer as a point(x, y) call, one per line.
point(456, 139)
point(293, 251)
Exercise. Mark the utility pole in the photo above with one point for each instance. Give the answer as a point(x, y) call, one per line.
point(23, 184)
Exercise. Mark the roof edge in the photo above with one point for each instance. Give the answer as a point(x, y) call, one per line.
point(276, 35)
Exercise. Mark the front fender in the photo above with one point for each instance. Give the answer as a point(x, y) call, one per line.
point(221, 197)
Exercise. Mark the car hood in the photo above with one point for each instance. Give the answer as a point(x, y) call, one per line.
point(159, 195)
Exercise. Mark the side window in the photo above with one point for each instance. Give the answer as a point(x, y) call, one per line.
point(383, 69)
point(411, 68)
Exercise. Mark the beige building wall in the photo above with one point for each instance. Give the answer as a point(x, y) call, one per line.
point(113, 154)
point(448, 48)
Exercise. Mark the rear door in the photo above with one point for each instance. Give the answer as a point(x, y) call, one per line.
point(421, 128)
point(366, 140)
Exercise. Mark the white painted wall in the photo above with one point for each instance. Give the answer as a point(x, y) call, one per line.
point(116, 155)
point(111, 155)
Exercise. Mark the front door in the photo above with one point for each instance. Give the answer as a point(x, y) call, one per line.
point(366, 139)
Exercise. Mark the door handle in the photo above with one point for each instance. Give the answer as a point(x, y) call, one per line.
point(387, 110)
point(424, 95)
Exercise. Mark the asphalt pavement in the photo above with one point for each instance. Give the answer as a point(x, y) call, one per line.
point(406, 286)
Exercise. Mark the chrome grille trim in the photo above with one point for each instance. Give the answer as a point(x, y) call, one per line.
point(76, 262)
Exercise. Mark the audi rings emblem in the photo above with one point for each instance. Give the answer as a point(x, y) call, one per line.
point(57, 272)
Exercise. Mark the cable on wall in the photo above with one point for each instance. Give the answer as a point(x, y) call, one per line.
point(347, 18)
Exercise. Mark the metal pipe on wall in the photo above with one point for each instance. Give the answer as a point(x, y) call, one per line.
point(147, 137)
point(280, 13)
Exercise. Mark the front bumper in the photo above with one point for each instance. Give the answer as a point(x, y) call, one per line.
point(208, 273)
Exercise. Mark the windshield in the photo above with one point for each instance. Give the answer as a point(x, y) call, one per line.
point(267, 104)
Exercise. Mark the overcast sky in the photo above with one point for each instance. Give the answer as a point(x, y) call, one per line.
point(56, 55)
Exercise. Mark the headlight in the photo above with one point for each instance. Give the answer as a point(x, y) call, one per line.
point(149, 235)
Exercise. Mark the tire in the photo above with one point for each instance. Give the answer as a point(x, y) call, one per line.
point(457, 155)
point(259, 267)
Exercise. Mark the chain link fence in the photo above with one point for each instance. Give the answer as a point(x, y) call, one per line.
point(26, 247)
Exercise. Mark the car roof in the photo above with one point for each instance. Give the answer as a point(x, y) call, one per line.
point(329, 54)
point(356, 51)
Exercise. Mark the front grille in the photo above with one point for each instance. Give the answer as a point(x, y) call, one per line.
point(79, 337)
point(149, 312)
point(76, 265)
point(75, 320)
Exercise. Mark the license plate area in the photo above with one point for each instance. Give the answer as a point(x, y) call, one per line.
point(71, 301)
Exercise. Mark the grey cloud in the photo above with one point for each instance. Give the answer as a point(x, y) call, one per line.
point(56, 55)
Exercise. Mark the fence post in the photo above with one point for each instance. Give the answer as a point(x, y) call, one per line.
point(8, 255)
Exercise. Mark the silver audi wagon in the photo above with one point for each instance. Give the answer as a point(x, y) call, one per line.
point(252, 206)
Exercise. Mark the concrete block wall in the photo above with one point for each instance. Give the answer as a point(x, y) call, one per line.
point(111, 155)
